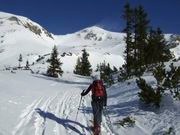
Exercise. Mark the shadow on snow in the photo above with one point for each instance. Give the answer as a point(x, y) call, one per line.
point(64, 122)
point(124, 109)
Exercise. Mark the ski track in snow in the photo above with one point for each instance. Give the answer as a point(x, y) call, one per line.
point(55, 115)
point(106, 127)
point(64, 109)
point(26, 117)
point(40, 122)
point(61, 109)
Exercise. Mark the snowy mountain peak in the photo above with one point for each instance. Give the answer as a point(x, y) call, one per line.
point(95, 29)
point(95, 33)
point(20, 35)
point(15, 21)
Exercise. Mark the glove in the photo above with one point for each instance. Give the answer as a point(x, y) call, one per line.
point(82, 93)
point(105, 107)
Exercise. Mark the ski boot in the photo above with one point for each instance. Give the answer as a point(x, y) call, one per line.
point(97, 130)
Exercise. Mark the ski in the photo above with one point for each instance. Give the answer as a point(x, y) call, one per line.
point(93, 130)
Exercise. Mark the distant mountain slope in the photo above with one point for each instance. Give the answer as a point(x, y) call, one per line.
point(20, 35)
point(99, 43)
point(13, 21)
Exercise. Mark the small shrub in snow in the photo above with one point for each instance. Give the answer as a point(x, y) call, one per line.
point(170, 131)
point(172, 81)
point(128, 83)
point(40, 58)
point(20, 60)
point(27, 67)
point(127, 121)
point(149, 95)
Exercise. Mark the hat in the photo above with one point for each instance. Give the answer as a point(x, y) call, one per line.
point(96, 76)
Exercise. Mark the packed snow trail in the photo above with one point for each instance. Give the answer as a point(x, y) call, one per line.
point(59, 111)
point(39, 105)
point(55, 113)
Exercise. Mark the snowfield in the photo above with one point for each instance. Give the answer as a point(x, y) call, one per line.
point(20, 35)
point(34, 104)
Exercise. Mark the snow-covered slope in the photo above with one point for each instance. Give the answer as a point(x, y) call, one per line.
point(33, 104)
point(99, 43)
point(49, 106)
point(124, 101)
point(21, 35)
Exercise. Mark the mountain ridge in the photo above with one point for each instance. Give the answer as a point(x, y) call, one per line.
point(20, 35)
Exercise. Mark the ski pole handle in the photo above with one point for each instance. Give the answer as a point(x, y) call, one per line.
point(82, 92)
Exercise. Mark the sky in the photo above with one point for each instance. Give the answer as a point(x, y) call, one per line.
point(68, 16)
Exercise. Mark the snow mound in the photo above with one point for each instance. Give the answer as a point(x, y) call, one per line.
point(124, 101)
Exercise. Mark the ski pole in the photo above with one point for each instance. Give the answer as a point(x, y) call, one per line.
point(78, 107)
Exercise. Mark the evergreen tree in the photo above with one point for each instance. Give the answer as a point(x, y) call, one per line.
point(141, 27)
point(176, 83)
point(106, 73)
point(115, 69)
point(128, 53)
point(157, 50)
point(83, 66)
point(78, 67)
point(172, 81)
point(27, 65)
point(97, 68)
point(151, 49)
point(137, 26)
point(20, 60)
point(160, 74)
point(168, 84)
point(163, 50)
point(102, 70)
point(144, 48)
point(149, 95)
point(172, 70)
point(54, 68)
point(109, 72)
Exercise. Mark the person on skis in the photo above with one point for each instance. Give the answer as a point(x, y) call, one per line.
point(99, 100)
